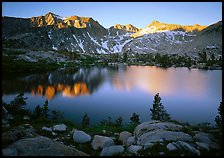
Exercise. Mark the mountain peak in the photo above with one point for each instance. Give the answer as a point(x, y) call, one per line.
point(155, 22)
point(50, 13)
point(127, 27)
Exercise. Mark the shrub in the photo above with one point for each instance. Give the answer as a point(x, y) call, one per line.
point(56, 115)
point(119, 121)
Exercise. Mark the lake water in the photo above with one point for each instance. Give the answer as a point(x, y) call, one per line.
point(188, 95)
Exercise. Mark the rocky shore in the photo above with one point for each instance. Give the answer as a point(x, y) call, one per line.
point(148, 138)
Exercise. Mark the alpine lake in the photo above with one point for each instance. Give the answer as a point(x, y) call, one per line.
point(188, 95)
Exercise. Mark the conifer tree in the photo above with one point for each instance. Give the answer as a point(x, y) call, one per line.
point(158, 111)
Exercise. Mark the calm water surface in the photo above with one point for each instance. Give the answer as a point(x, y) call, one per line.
point(189, 95)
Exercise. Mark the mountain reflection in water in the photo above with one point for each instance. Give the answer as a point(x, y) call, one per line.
point(190, 95)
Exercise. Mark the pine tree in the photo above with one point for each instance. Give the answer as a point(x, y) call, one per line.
point(218, 118)
point(134, 119)
point(85, 120)
point(37, 111)
point(158, 110)
point(45, 109)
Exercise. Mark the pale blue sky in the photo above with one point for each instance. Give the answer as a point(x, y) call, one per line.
point(140, 14)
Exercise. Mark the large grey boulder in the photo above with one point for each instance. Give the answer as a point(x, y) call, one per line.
point(134, 149)
point(155, 125)
point(112, 150)
point(40, 146)
point(101, 142)
point(161, 136)
point(81, 137)
point(123, 136)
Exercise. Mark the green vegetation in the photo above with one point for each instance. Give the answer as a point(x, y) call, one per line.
point(12, 64)
point(209, 61)
point(158, 110)
point(12, 43)
point(11, 67)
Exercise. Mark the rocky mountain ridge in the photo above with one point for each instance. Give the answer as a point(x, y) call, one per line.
point(85, 35)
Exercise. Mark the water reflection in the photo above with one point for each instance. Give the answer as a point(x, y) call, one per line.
point(69, 82)
point(84, 81)
point(165, 81)
point(188, 95)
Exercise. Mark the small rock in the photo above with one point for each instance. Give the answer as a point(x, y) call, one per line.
point(130, 141)
point(60, 127)
point(81, 137)
point(49, 129)
point(124, 136)
point(171, 147)
point(161, 153)
point(134, 149)
point(148, 145)
point(54, 134)
point(112, 150)
point(101, 142)
point(26, 118)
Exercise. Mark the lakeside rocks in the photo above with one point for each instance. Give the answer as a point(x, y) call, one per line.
point(40, 146)
point(134, 149)
point(131, 140)
point(23, 140)
point(81, 137)
point(112, 150)
point(20, 132)
point(101, 142)
point(60, 127)
point(123, 136)
point(154, 125)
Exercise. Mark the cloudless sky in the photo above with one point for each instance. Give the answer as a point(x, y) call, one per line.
point(139, 14)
